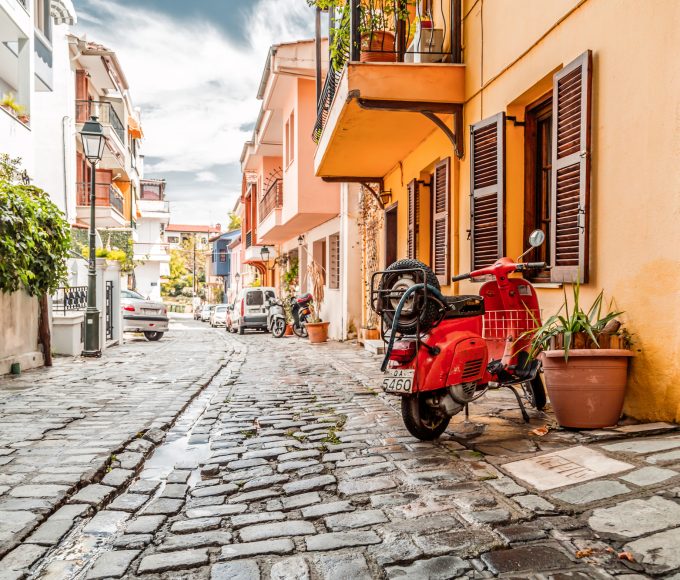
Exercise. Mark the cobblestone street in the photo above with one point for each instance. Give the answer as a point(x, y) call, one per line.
point(209, 455)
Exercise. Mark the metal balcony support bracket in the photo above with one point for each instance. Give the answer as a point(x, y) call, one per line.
point(429, 110)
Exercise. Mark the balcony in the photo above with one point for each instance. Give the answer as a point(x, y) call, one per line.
point(388, 88)
point(109, 204)
point(106, 115)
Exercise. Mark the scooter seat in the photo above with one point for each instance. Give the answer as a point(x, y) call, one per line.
point(464, 305)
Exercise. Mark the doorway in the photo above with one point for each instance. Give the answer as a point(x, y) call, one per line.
point(390, 234)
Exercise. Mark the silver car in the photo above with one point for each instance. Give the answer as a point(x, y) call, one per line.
point(141, 315)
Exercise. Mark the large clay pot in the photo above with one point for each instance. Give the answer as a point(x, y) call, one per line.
point(586, 392)
point(370, 334)
point(377, 47)
point(318, 331)
point(289, 330)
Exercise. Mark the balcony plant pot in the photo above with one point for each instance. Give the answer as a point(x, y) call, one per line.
point(318, 332)
point(377, 46)
point(587, 389)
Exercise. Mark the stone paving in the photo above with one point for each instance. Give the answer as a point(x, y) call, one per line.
point(291, 464)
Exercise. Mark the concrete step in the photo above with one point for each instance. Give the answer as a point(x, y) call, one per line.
point(375, 346)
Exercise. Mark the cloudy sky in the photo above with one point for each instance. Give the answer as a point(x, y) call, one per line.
point(194, 68)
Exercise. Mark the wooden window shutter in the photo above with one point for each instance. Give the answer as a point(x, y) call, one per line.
point(487, 198)
point(413, 218)
point(440, 220)
point(334, 261)
point(570, 188)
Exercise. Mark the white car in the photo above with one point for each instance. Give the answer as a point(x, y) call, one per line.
point(250, 309)
point(219, 316)
point(142, 315)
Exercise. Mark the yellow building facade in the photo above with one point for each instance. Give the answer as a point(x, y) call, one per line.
point(565, 115)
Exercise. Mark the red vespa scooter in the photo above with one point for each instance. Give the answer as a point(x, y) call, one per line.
point(444, 352)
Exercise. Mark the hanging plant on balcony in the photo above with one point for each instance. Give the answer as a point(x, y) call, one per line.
point(377, 25)
point(35, 241)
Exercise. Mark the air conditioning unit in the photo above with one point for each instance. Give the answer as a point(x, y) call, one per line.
point(427, 46)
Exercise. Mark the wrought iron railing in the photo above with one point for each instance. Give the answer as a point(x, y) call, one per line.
point(272, 199)
point(73, 298)
point(104, 112)
point(388, 31)
point(105, 195)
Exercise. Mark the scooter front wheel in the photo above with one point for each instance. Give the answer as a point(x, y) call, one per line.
point(300, 331)
point(278, 328)
point(421, 420)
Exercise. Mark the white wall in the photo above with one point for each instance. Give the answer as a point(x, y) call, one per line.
point(53, 126)
point(147, 278)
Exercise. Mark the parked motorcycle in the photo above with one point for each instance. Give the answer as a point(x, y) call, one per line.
point(301, 313)
point(276, 317)
point(444, 352)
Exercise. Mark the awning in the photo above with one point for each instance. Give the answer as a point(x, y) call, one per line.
point(134, 128)
point(63, 12)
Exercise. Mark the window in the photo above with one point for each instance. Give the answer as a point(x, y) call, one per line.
point(538, 180)
point(223, 255)
point(41, 12)
point(334, 261)
point(290, 139)
point(254, 298)
point(413, 219)
point(173, 239)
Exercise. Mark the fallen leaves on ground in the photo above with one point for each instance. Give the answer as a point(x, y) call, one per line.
point(584, 553)
point(626, 556)
point(540, 431)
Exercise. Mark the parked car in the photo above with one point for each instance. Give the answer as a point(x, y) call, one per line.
point(206, 311)
point(250, 309)
point(219, 316)
point(142, 315)
point(230, 313)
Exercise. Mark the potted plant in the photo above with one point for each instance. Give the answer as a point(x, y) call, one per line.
point(11, 106)
point(317, 328)
point(585, 358)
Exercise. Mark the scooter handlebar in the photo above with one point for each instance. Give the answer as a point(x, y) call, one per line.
point(532, 266)
point(460, 277)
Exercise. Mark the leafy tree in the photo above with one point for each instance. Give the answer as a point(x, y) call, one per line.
point(234, 221)
point(35, 240)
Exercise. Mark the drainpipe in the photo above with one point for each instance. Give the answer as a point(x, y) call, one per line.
point(64, 142)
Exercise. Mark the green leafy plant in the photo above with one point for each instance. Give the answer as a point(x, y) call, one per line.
point(572, 320)
point(35, 241)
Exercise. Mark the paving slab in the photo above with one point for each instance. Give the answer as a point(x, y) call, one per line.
point(342, 565)
point(338, 540)
point(591, 492)
point(648, 476)
point(173, 561)
point(565, 467)
point(441, 568)
point(295, 568)
point(276, 529)
point(658, 553)
point(112, 564)
point(237, 570)
point(523, 559)
point(636, 517)
point(246, 549)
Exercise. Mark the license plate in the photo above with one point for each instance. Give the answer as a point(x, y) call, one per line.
point(398, 381)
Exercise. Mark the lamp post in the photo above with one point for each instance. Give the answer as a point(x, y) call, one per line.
point(93, 139)
point(237, 277)
point(264, 254)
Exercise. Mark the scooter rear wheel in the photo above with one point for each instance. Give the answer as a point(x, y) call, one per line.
point(538, 398)
point(278, 328)
point(421, 420)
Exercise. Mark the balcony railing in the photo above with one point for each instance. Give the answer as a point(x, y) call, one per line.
point(272, 199)
point(104, 112)
point(105, 195)
point(387, 31)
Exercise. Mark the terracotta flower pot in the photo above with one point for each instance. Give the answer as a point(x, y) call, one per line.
point(370, 334)
point(586, 392)
point(289, 330)
point(377, 47)
point(318, 331)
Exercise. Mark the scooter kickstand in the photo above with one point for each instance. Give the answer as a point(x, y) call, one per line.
point(525, 415)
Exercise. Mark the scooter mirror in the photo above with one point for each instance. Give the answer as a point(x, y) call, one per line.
point(536, 238)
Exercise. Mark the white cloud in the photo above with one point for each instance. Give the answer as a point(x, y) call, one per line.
point(206, 177)
point(196, 87)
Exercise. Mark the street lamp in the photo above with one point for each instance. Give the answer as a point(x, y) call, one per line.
point(237, 277)
point(264, 254)
point(93, 139)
